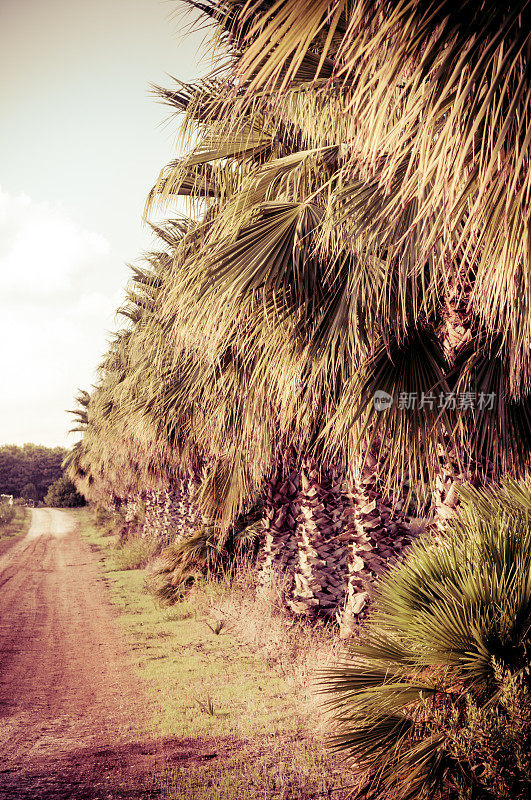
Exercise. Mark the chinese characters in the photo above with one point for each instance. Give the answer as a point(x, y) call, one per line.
point(452, 401)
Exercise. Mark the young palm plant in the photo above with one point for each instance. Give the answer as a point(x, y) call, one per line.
point(451, 632)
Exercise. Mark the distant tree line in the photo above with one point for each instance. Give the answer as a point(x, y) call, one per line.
point(30, 470)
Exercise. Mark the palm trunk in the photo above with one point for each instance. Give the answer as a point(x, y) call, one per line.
point(177, 517)
point(322, 549)
point(378, 532)
point(155, 521)
point(171, 513)
point(182, 503)
point(165, 526)
point(114, 502)
point(149, 517)
point(194, 515)
point(444, 498)
point(281, 508)
point(457, 333)
point(132, 507)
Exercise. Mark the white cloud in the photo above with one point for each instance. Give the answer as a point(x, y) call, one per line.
point(58, 294)
point(41, 249)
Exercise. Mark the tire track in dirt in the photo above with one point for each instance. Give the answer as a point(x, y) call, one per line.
point(68, 697)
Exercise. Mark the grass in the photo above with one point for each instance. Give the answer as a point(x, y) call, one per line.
point(282, 768)
point(19, 525)
point(210, 684)
point(133, 554)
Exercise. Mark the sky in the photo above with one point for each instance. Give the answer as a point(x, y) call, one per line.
point(81, 143)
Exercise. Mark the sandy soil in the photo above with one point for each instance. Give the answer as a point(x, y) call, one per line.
point(70, 706)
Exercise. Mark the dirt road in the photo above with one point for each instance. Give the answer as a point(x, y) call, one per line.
point(68, 697)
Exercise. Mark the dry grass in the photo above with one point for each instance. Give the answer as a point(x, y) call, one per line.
point(228, 672)
point(134, 553)
point(18, 525)
point(297, 649)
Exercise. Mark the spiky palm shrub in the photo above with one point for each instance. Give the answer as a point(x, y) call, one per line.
point(203, 554)
point(447, 649)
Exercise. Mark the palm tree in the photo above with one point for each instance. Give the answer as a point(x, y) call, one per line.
point(436, 272)
point(392, 159)
point(120, 455)
point(359, 179)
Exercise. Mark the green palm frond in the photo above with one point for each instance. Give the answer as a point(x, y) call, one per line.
point(272, 253)
point(411, 438)
point(497, 432)
point(447, 619)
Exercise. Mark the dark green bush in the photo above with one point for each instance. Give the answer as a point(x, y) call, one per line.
point(62, 494)
point(433, 698)
point(29, 492)
point(490, 743)
point(30, 465)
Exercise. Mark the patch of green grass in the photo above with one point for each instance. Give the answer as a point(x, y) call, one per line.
point(182, 660)
point(204, 685)
point(133, 554)
point(19, 525)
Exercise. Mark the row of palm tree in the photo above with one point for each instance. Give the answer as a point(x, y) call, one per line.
point(359, 186)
